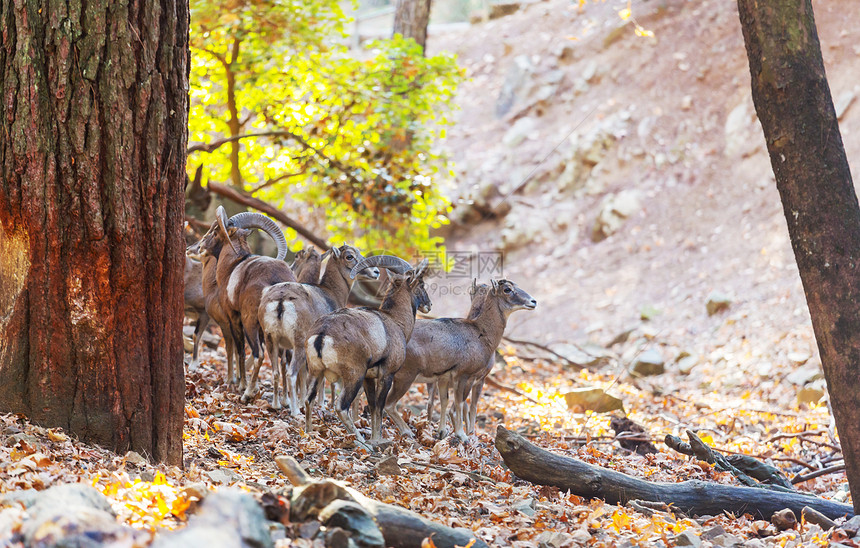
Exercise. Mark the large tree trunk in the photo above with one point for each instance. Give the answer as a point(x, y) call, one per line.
point(411, 18)
point(92, 153)
point(793, 102)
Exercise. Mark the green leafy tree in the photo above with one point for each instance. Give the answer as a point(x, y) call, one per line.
point(305, 121)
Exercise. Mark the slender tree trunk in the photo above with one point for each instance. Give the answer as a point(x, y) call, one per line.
point(235, 127)
point(92, 153)
point(793, 102)
point(411, 18)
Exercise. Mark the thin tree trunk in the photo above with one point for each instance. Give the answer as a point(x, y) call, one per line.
point(411, 18)
point(793, 102)
point(92, 153)
point(235, 127)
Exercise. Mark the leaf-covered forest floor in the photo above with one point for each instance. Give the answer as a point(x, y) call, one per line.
point(459, 484)
point(710, 220)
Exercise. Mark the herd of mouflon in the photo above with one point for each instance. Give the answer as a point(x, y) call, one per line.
point(298, 314)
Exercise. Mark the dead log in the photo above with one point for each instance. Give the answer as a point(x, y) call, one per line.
point(401, 528)
point(692, 497)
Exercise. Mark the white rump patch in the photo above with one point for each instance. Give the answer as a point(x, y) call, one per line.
point(235, 278)
point(329, 353)
point(283, 327)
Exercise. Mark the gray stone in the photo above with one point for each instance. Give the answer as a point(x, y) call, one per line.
point(518, 83)
point(615, 210)
point(805, 375)
point(713, 532)
point(523, 228)
point(589, 73)
point(223, 476)
point(598, 351)
point(727, 540)
point(335, 537)
point(147, 475)
point(64, 494)
point(577, 355)
point(352, 517)
point(309, 529)
point(686, 364)
point(208, 537)
point(587, 150)
point(717, 302)
point(72, 515)
point(688, 538)
point(623, 336)
point(737, 123)
point(592, 399)
point(519, 131)
point(798, 358)
point(525, 507)
point(648, 362)
point(852, 526)
point(388, 466)
point(135, 459)
point(228, 518)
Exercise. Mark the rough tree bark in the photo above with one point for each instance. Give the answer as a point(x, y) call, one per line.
point(411, 18)
point(92, 153)
point(793, 102)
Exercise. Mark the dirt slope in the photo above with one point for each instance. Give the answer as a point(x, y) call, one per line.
point(683, 137)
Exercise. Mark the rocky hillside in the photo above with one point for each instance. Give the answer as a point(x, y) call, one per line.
point(626, 177)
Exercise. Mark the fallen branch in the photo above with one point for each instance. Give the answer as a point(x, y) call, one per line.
point(817, 474)
point(272, 211)
point(473, 475)
point(693, 497)
point(822, 444)
point(796, 435)
point(497, 385)
point(547, 349)
point(814, 516)
point(400, 528)
point(745, 468)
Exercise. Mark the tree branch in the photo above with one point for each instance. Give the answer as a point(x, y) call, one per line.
point(260, 205)
point(278, 179)
point(215, 145)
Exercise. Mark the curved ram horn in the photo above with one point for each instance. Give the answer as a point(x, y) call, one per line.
point(421, 269)
point(251, 219)
point(395, 264)
point(221, 221)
